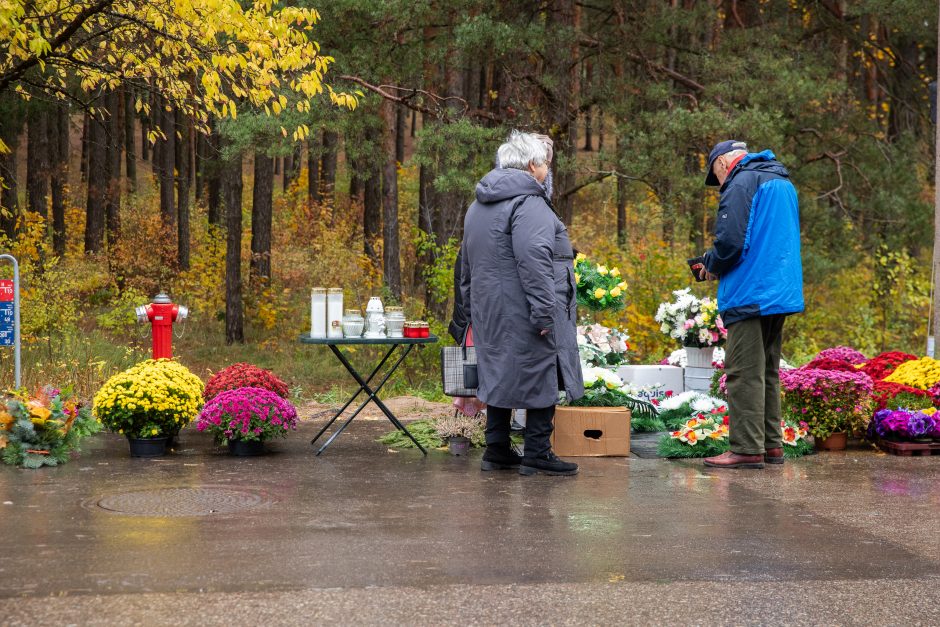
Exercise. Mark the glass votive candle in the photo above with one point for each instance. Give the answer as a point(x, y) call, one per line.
point(353, 323)
point(395, 321)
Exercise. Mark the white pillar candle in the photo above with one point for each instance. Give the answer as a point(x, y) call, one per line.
point(318, 312)
point(334, 312)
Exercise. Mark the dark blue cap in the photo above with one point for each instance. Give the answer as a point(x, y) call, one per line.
point(721, 148)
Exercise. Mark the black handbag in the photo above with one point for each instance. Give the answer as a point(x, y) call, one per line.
point(459, 376)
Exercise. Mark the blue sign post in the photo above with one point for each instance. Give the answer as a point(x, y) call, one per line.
point(10, 314)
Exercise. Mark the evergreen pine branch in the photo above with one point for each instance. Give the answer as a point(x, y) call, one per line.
point(675, 418)
point(643, 424)
point(673, 448)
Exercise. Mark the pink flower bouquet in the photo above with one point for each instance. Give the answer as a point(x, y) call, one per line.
point(829, 401)
point(842, 353)
point(247, 414)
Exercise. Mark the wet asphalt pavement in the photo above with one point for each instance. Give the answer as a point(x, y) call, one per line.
point(365, 535)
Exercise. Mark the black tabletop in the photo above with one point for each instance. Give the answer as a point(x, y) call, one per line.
point(306, 339)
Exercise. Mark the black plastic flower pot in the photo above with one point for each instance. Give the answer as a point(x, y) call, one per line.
point(245, 448)
point(147, 447)
point(458, 445)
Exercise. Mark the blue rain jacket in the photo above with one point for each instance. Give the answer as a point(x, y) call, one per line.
point(756, 253)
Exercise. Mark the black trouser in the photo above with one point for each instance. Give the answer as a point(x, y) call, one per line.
point(538, 429)
point(752, 363)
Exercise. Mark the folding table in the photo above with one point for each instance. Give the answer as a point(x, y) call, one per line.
point(406, 344)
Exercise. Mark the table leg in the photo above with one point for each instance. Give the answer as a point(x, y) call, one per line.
point(353, 397)
point(372, 395)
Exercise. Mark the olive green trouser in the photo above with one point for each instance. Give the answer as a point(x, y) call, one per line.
point(752, 363)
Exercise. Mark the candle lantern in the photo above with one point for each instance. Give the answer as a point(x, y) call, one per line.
point(375, 319)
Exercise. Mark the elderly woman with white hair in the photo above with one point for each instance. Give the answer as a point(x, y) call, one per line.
point(518, 291)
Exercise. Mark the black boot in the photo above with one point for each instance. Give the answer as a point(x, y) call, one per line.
point(547, 464)
point(500, 457)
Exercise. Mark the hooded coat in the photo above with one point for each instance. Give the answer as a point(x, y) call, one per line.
point(517, 278)
point(756, 254)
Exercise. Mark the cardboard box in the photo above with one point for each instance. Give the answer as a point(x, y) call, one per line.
point(591, 432)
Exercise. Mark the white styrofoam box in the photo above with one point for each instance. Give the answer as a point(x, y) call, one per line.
point(669, 377)
point(698, 379)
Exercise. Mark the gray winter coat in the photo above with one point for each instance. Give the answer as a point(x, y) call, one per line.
point(517, 279)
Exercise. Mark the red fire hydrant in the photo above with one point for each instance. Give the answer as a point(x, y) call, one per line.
point(161, 314)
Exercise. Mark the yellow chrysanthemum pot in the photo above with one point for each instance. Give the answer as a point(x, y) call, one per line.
point(149, 403)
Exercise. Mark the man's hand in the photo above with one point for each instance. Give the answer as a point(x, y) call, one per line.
point(705, 275)
point(545, 331)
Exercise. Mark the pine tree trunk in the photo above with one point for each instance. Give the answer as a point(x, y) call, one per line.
point(167, 172)
point(212, 168)
point(297, 162)
point(741, 13)
point(328, 171)
point(426, 224)
point(588, 121)
point(622, 235)
point(145, 125)
point(372, 213)
point(130, 151)
point(199, 185)
point(261, 218)
point(355, 183)
point(288, 172)
point(232, 193)
point(115, 143)
point(9, 199)
point(86, 134)
point(37, 159)
point(97, 184)
point(59, 136)
point(183, 222)
point(936, 181)
point(400, 134)
point(391, 246)
point(156, 163)
point(566, 71)
point(313, 170)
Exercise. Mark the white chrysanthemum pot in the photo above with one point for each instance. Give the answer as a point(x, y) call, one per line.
point(699, 357)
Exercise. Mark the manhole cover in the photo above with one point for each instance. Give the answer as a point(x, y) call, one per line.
point(201, 501)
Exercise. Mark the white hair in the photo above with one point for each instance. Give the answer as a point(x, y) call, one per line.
point(520, 150)
point(734, 153)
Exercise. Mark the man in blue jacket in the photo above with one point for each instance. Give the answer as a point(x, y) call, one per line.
point(756, 258)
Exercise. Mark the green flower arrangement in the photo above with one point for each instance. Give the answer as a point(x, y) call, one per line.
point(155, 398)
point(599, 288)
point(42, 429)
point(433, 432)
point(603, 388)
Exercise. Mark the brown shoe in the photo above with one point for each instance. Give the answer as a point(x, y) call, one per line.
point(774, 456)
point(733, 460)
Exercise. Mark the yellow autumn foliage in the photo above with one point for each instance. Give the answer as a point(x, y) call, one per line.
point(205, 57)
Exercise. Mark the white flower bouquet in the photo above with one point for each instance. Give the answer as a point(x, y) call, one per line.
point(601, 346)
point(603, 388)
point(692, 321)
